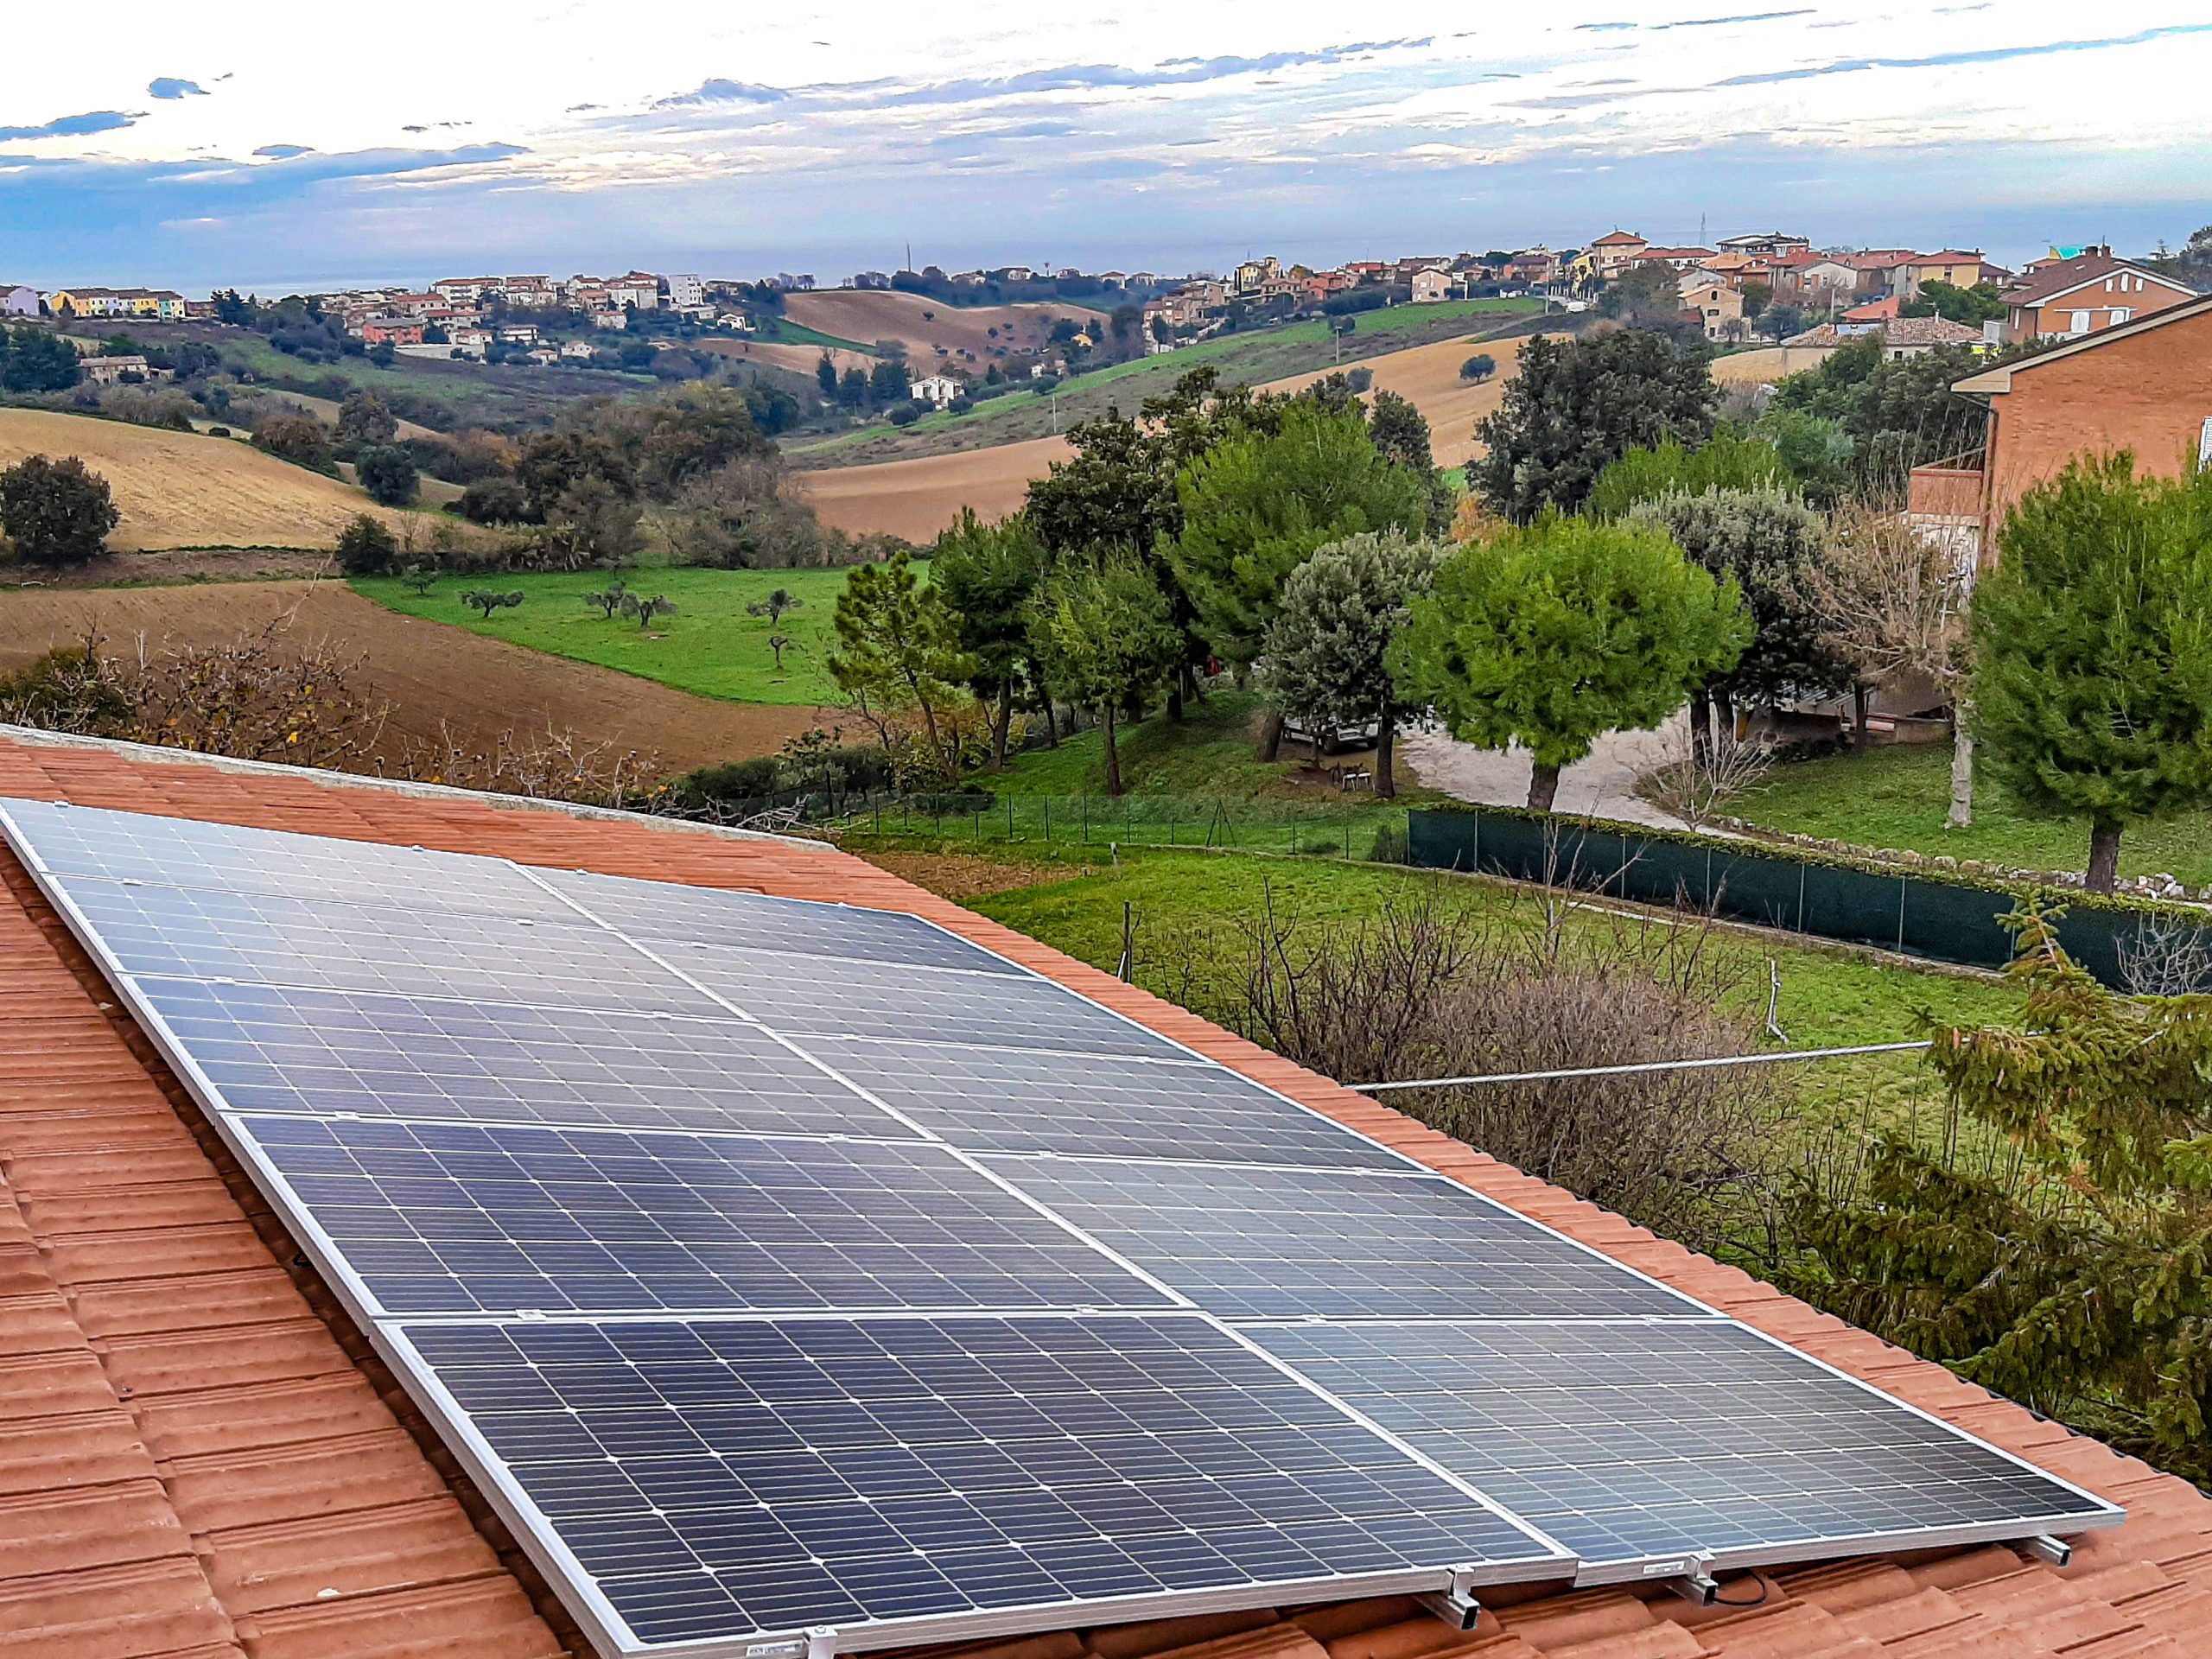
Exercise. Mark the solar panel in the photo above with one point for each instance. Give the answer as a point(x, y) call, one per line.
point(1637, 1443)
point(923, 1298)
point(454, 1217)
point(1021, 1100)
point(716, 1480)
point(279, 1048)
point(186, 853)
point(199, 933)
point(664, 910)
point(858, 999)
point(1248, 1242)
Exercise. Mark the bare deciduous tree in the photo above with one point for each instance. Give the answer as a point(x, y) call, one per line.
point(1894, 595)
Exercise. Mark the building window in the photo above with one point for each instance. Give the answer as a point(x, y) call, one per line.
point(2081, 322)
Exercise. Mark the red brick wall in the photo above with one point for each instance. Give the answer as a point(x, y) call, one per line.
point(2150, 393)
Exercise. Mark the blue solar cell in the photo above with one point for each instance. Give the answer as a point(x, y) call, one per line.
point(1024, 1100)
point(452, 1218)
point(1248, 1242)
point(201, 933)
point(755, 921)
point(188, 853)
point(856, 999)
point(721, 1479)
point(276, 1048)
point(1651, 1441)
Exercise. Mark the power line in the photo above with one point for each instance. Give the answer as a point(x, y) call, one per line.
point(1645, 1065)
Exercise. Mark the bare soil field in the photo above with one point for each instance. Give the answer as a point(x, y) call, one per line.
point(429, 674)
point(918, 498)
point(1768, 364)
point(781, 354)
point(178, 489)
point(1428, 377)
point(930, 330)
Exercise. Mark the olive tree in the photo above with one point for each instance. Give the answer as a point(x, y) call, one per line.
point(1328, 647)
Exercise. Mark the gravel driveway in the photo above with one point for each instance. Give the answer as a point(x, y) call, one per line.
point(1603, 786)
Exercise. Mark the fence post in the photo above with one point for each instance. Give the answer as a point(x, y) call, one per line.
point(1085, 800)
point(1009, 817)
point(1047, 800)
point(1902, 891)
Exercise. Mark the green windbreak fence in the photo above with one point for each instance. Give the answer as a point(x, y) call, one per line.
point(1946, 921)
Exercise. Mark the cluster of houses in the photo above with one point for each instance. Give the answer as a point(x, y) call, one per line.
point(1856, 292)
point(465, 316)
point(158, 304)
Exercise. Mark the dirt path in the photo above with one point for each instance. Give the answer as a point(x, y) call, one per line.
point(479, 688)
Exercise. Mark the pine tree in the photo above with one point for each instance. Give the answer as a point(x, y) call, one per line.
point(2093, 651)
point(2054, 1244)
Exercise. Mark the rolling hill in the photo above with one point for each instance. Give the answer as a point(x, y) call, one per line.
point(178, 489)
point(931, 331)
point(919, 496)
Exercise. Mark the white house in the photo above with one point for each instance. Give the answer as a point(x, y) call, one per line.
point(685, 290)
point(464, 290)
point(18, 300)
point(519, 333)
point(937, 389)
point(1431, 285)
point(638, 289)
point(610, 318)
point(576, 350)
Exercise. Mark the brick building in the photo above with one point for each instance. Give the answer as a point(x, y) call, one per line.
point(2085, 294)
point(2144, 386)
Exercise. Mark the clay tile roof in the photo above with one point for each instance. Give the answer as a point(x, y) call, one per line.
point(2057, 277)
point(1619, 239)
point(201, 1459)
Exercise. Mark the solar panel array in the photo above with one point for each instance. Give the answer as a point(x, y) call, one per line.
point(799, 1276)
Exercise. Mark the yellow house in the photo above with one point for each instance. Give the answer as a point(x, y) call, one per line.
point(157, 302)
point(86, 302)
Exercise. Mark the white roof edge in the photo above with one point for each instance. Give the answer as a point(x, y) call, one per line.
point(2000, 379)
point(38, 737)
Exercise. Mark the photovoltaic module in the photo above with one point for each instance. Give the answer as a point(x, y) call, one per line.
point(800, 1278)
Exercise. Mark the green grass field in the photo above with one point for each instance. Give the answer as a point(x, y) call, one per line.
point(711, 646)
point(1253, 358)
point(784, 331)
point(1186, 908)
point(1897, 797)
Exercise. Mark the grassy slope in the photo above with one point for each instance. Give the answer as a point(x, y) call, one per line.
point(711, 646)
point(1897, 797)
point(1265, 354)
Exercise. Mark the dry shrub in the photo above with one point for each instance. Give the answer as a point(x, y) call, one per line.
point(1425, 990)
point(261, 697)
point(1697, 779)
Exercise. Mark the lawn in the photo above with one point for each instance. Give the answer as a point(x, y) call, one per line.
point(1252, 358)
point(1186, 908)
point(711, 646)
point(1897, 797)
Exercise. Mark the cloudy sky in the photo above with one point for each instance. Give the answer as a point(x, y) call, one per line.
point(557, 136)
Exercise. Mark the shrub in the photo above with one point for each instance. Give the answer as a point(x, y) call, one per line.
point(365, 548)
point(905, 414)
point(56, 513)
point(387, 475)
point(1478, 368)
point(499, 499)
point(300, 439)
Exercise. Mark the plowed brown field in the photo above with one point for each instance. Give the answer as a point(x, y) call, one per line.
point(780, 354)
point(429, 674)
point(178, 489)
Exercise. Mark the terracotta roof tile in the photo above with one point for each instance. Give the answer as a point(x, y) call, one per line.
point(200, 1460)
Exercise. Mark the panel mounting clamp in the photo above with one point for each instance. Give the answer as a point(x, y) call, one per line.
point(1455, 1605)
